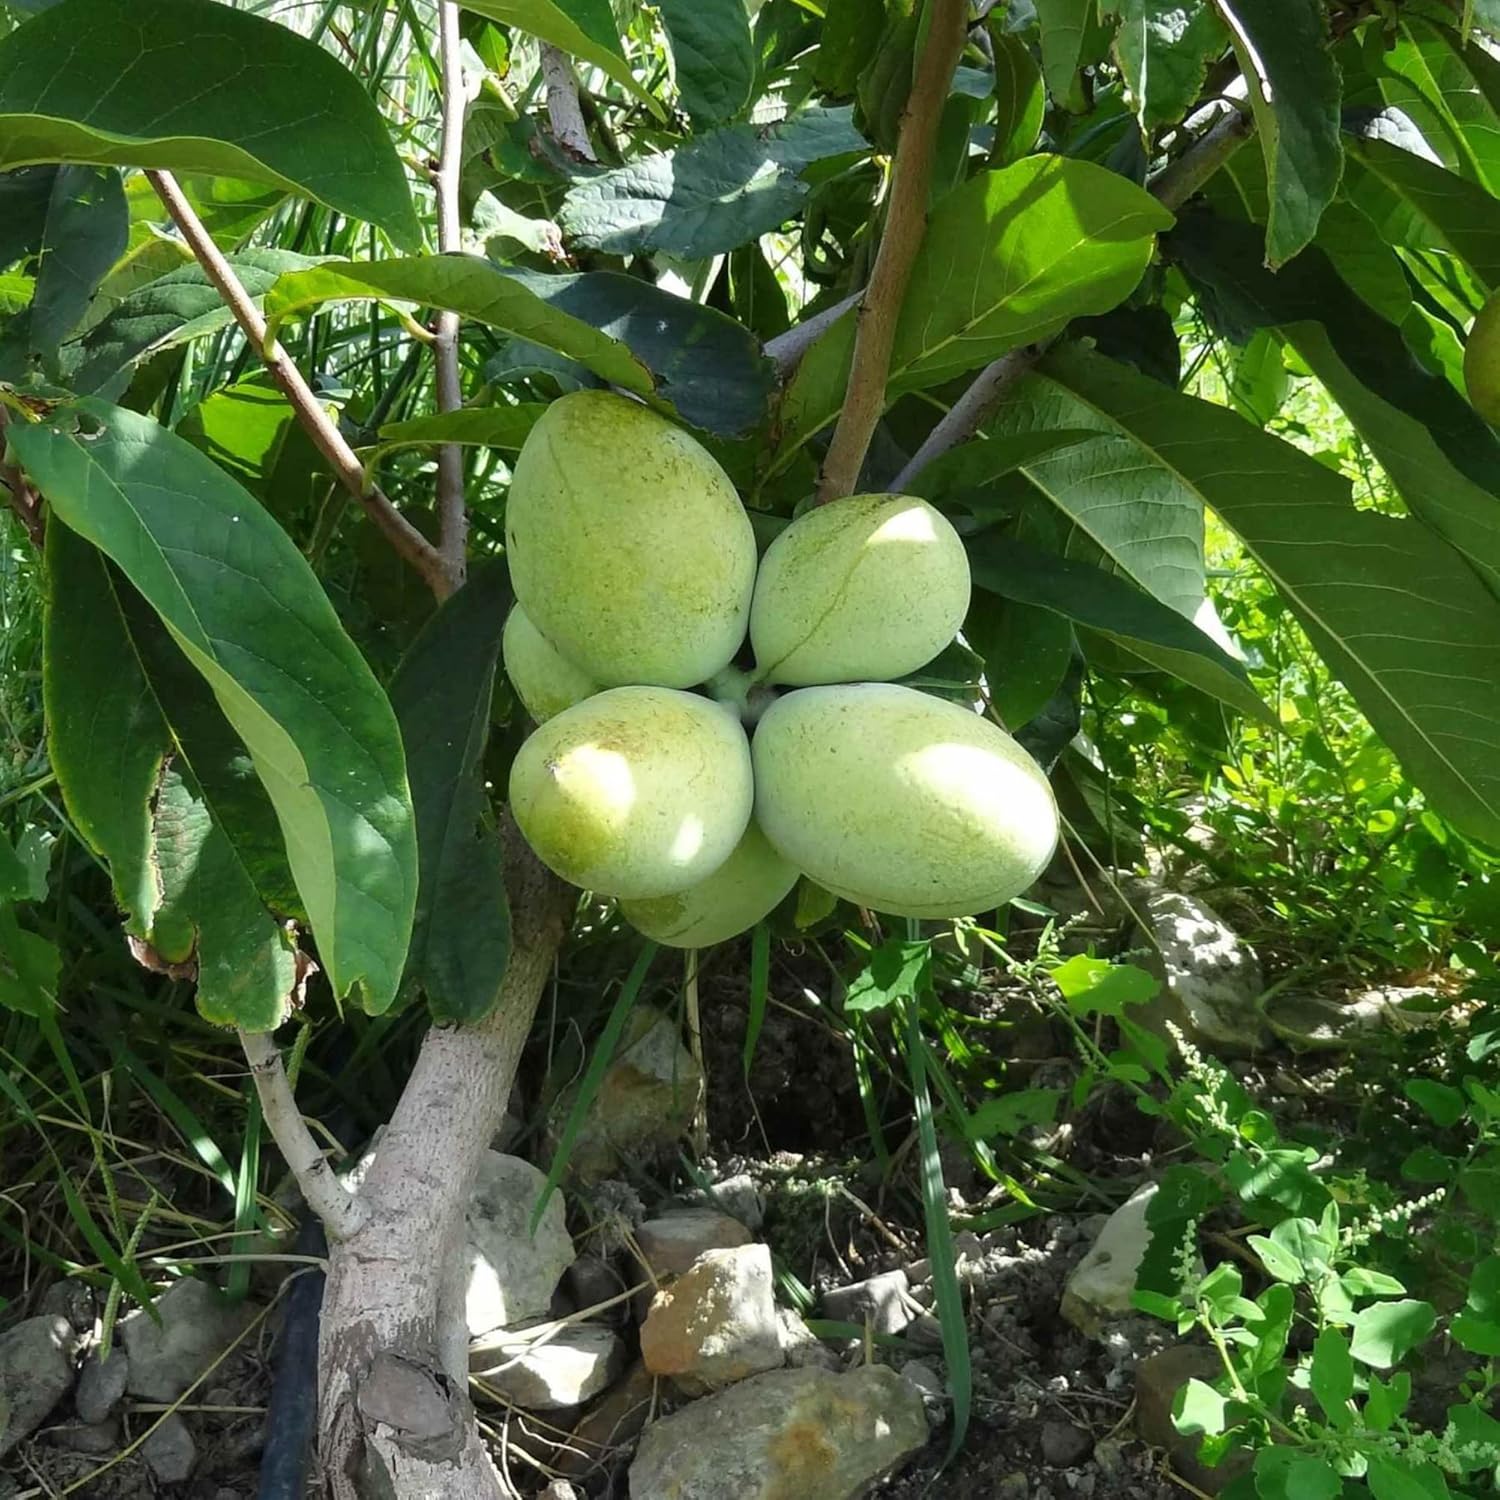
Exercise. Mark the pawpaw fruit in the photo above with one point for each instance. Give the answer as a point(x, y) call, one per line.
point(628, 546)
point(748, 885)
point(1482, 362)
point(637, 792)
point(545, 680)
point(901, 802)
point(864, 589)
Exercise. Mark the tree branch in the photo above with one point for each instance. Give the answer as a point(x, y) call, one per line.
point(1172, 186)
point(24, 500)
point(563, 109)
point(342, 1214)
point(905, 224)
point(402, 535)
point(786, 349)
point(453, 518)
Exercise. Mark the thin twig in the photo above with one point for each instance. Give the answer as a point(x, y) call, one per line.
point(1172, 186)
point(563, 109)
point(402, 535)
point(905, 224)
point(23, 497)
point(342, 1214)
point(453, 517)
point(1179, 180)
point(786, 349)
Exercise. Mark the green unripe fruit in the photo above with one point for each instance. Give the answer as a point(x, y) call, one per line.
point(627, 544)
point(860, 590)
point(545, 680)
point(1482, 363)
point(636, 792)
point(901, 802)
point(731, 901)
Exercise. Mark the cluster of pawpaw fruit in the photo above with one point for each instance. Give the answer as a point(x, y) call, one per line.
point(696, 791)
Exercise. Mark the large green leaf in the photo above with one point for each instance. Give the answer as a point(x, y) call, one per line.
point(1010, 257)
point(503, 427)
point(1399, 616)
point(1015, 569)
point(1163, 48)
point(721, 191)
point(678, 355)
point(85, 234)
point(1064, 29)
point(441, 693)
point(1020, 98)
point(168, 311)
point(24, 196)
point(584, 29)
point(1444, 460)
point(1417, 204)
point(191, 86)
point(714, 57)
point(246, 610)
point(132, 784)
point(1284, 52)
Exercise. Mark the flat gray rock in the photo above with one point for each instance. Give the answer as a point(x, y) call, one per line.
point(807, 1433)
point(512, 1273)
point(101, 1385)
point(567, 1369)
point(197, 1324)
point(36, 1372)
point(170, 1451)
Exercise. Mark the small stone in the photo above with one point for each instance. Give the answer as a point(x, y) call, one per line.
point(925, 1331)
point(577, 1362)
point(36, 1372)
point(93, 1438)
point(1109, 1455)
point(672, 1242)
point(646, 1100)
point(197, 1323)
point(592, 1281)
point(738, 1197)
point(610, 1426)
point(1103, 1282)
point(800, 1346)
point(924, 1377)
point(1015, 1486)
point(882, 1302)
point(512, 1273)
point(170, 1450)
point(559, 1489)
point(716, 1323)
point(70, 1299)
point(1064, 1445)
point(789, 1432)
point(101, 1385)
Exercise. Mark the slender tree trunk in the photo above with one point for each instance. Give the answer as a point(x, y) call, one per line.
point(394, 1413)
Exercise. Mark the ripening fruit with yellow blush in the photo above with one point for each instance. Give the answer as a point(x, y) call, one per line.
point(865, 589)
point(637, 792)
point(901, 802)
point(628, 546)
point(745, 888)
point(545, 680)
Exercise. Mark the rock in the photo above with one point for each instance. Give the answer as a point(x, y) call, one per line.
point(738, 1197)
point(800, 1433)
point(592, 1280)
point(559, 1489)
point(1212, 980)
point(800, 1346)
point(577, 1362)
point(1103, 1282)
point(716, 1323)
point(101, 1385)
point(924, 1377)
point(36, 1372)
point(1158, 1378)
point(1064, 1445)
point(170, 1450)
point(93, 1438)
point(610, 1425)
point(512, 1273)
point(70, 1299)
point(197, 1324)
point(882, 1302)
point(674, 1241)
point(1318, 1023)
point(646, 1101)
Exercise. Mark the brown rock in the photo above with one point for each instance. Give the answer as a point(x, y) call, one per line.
point(674, 1241)
point(1158, 1378)
point(716, 1323)
point(609, 1426)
